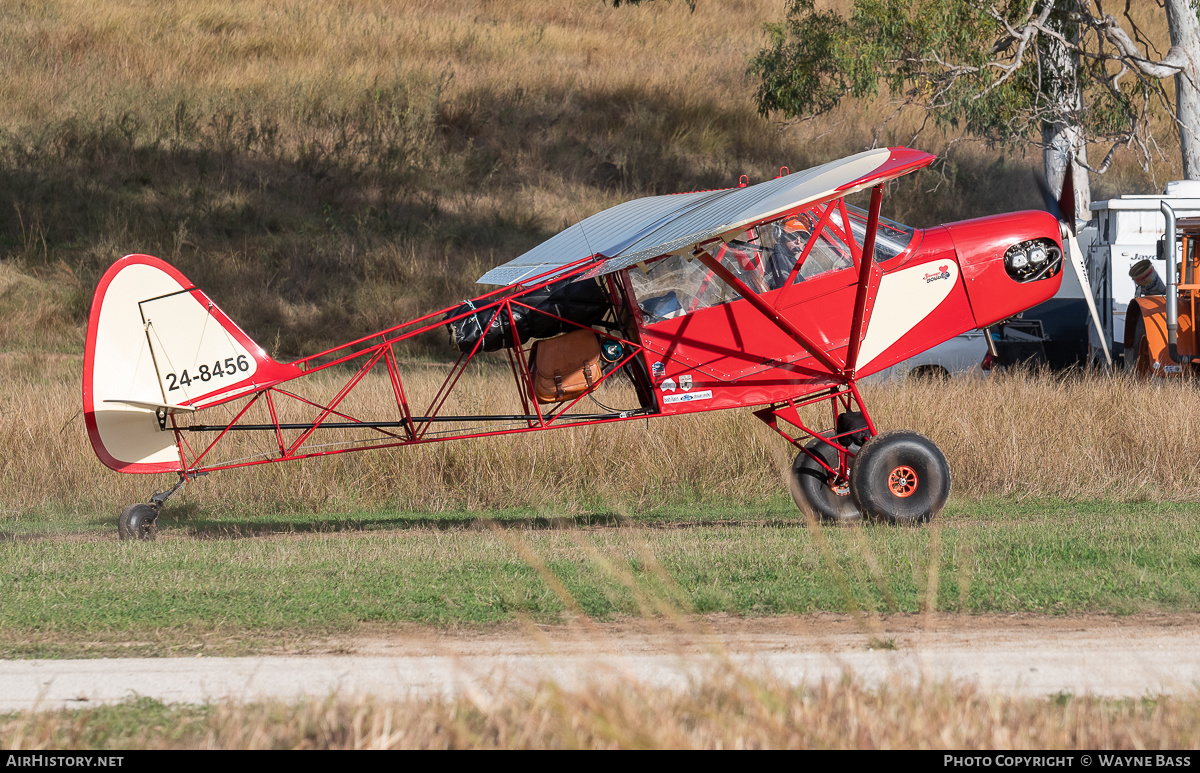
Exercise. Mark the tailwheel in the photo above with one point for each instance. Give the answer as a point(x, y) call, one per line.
point(815, 490)
point(138, 522)
point(900, 476)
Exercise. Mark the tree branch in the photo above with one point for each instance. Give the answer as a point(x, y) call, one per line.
point(1176, 61)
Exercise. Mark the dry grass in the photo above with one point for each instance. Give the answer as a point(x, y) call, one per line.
point(1012, 436)
point(722, 712)
point(326, 170)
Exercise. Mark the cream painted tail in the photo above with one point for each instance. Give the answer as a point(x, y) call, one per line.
point(157, 346)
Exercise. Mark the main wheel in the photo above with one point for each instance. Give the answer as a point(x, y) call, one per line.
point(925, 373)
point(815, 493)
point(138, 522)
point(900, 476)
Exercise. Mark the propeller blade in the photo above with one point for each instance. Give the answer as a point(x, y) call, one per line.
point(1048, 199)
point(1066, 199)
point(1076, 261)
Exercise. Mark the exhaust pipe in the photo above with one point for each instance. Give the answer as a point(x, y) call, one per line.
point(1146, 278)
point(1172, 288)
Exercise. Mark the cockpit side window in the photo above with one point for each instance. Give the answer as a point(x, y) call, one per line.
point(815, 242)
point(806, 245)
point(793, 249)
point(680, 284)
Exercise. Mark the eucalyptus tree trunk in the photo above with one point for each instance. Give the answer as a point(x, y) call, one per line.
point(1064, 145)
point(1185, 33)
point(1063, 139)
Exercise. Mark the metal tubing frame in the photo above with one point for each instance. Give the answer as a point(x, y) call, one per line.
point(251, 462)
point(337, 400)
point(415, 428)
point(843, 397)
point(536, 282)
point(397, 334)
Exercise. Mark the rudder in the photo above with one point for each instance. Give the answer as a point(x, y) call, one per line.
point(157, 345)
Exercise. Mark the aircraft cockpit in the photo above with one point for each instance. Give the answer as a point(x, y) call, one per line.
point(767, 257)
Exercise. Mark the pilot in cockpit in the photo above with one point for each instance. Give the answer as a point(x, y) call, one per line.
point(789, 238)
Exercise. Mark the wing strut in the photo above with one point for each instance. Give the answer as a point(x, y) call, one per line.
point(868, 281)
point(771, 314)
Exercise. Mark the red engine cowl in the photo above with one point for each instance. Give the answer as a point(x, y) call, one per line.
point(988, 248)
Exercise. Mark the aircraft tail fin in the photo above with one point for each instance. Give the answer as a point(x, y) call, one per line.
point(157, 346)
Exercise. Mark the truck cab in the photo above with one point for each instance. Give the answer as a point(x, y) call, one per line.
point(1128, 230)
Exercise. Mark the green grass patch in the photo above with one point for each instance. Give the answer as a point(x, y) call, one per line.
point(125, 725)
point(247, 584)
point(188, 519)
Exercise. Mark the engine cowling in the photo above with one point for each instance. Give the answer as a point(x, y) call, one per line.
point(1009, 262)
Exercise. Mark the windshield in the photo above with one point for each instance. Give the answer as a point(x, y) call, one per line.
point(891, 238)
point(681, 284)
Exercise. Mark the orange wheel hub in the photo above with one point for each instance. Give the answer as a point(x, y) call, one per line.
point(902, 481)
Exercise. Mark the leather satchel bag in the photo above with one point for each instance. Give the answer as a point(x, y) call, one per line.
point(566, 366)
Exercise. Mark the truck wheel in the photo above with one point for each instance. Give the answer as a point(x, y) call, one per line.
point(900, 476)
point(1137, 357)
point(813, 492)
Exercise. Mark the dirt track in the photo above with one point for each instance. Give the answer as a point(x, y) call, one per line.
point(1028, 655)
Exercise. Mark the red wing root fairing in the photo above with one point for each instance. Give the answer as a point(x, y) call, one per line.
point(776, 296)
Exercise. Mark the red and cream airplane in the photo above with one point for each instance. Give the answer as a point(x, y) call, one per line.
point(775, 296)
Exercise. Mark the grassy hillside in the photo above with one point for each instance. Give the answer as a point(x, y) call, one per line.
point(324, 169)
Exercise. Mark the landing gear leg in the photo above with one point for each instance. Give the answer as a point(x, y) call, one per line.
point(818, 479)
point(140, 521)
point(897, 476)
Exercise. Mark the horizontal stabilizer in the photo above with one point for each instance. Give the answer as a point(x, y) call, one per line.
point(171, 409)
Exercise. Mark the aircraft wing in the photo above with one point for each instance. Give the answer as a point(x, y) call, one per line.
point(646, 228)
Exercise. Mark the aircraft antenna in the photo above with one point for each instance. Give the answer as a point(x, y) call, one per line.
point(585, 239)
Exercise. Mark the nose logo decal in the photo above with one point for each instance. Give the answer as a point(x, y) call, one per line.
point(943, 272)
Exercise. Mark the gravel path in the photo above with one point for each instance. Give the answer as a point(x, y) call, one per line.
point(1034, 656)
